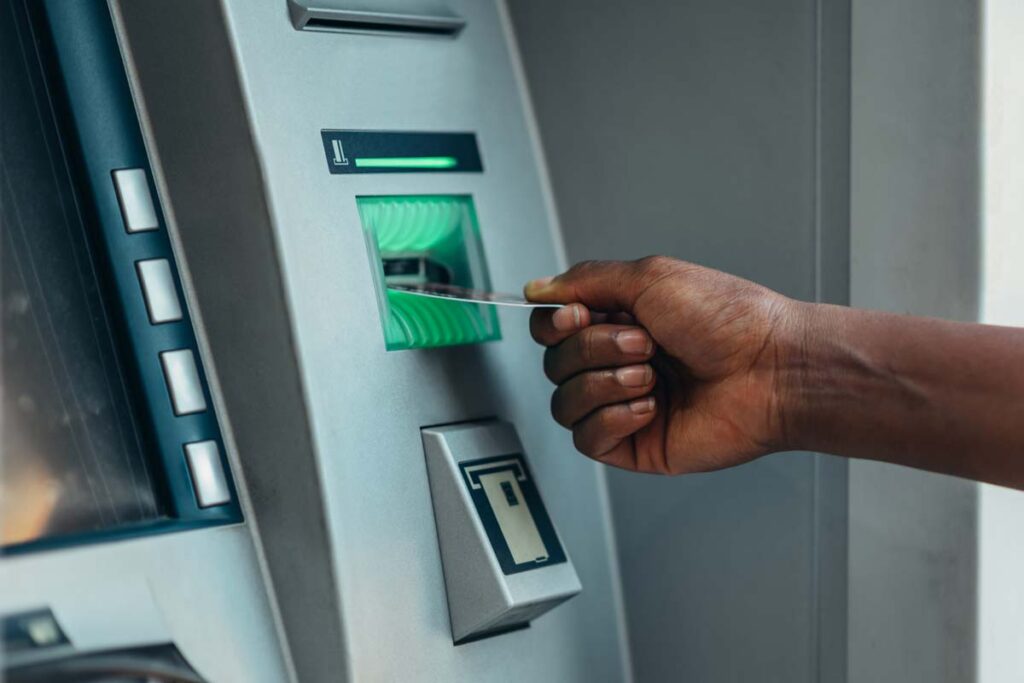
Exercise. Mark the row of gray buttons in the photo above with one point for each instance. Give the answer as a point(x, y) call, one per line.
point(181, 373)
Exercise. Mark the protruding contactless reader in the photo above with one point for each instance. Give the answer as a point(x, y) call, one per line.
point(504, 564)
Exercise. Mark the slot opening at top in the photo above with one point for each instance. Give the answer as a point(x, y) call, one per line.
point(320, 18)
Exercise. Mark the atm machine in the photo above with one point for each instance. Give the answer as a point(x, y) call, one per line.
point(241, 455)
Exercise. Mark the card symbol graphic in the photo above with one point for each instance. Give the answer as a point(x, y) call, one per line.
point(511, 512)
point(339, 154)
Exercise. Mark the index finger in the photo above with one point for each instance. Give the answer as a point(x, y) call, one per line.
point(550, 326)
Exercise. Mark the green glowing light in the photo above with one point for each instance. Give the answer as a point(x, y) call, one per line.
point(419, 323)
point(417, 223)
point(406, 162)
point(443, 228)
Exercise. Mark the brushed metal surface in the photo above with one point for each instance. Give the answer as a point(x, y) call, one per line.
point(480, 596)
point(328, 428)
point(200, 589)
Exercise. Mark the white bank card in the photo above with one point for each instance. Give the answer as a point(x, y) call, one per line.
point(465, 294)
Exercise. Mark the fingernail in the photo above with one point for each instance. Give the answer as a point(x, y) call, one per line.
point(534, 285)
point(635, 376)
point(642, 405)
point(633, 341)
point(566, 318)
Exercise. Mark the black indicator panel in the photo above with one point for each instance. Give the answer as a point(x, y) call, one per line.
point(510, 508)
point(362, 151)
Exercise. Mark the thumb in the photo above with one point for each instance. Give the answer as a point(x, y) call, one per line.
point(599, 285)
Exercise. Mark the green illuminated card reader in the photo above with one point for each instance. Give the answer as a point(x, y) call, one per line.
point(417, 239)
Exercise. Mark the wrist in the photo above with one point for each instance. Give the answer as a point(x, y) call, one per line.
point(801, 369)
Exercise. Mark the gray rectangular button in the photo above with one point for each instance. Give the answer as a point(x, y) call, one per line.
point(158, 290)
point(135, 199)
point(208, 480)
point(183, 383)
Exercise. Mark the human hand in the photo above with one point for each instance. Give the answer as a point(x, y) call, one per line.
point(664, 366)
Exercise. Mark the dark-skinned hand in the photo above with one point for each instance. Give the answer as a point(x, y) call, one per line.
point(664, 366)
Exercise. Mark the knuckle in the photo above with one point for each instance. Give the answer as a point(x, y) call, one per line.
point(583, 267)
point(580, 440)
point(586, 346)
point(587, 269)
point(596, 383)
point(536, 325)
point(655, 265)
point(558, 407)
point(551, 364)
point(562, 407)
point(576, 270)
point(604, 419)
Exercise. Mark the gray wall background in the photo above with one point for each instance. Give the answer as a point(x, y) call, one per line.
point(703, 130)
point(915, 248)
point(828, 149)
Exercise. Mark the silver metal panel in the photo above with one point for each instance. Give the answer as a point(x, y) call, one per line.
point(183, 383)
point(208, 480)
point(219, 153)
point(200, 589)
point(135, 199)
point(158, 290)
point(481, 597)
point(352, 497)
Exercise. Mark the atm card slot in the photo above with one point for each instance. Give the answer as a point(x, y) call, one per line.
point(338, 19)
point(414, 269)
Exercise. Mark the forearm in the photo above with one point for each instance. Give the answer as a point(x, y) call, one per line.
point(932, 394)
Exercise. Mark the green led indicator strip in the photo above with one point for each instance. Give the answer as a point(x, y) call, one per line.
point(406, 162)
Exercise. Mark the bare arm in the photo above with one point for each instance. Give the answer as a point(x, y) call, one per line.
point(720, 371)
point(931, 394)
